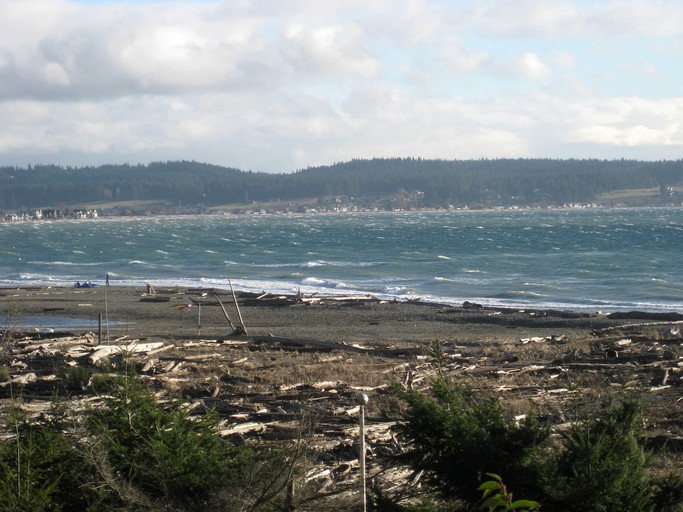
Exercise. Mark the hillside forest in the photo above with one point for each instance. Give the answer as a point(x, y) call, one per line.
point(382, 183)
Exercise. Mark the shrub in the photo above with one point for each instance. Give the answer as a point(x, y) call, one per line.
point(166, 455)
point(130, 453)
point(457, 435)
point(40, 467)
point(75, 377)
point(602, 466)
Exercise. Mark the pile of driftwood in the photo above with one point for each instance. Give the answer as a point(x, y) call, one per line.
point(228, 375)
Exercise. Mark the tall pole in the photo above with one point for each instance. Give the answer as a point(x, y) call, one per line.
point(106, 313)
point(362, 400)
point(199, 320)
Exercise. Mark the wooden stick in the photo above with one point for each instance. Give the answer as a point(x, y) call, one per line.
point(239, 315)
point(227, 317)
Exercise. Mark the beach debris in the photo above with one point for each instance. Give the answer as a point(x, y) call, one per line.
point(239, 328)
point(535, 339)
point(104, 351)
point(263, 385)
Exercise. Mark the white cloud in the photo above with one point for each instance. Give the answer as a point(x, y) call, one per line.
point(337, 50)
point(279, 85)
point(528, 18)
point(459, 58)
point(631, 122)
point(531, 66)
point(574, 18)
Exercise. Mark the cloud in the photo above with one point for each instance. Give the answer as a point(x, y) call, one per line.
point(631, 122)
point(576, 18)
point(333, 49)
point(279, 85)
point(531, 66)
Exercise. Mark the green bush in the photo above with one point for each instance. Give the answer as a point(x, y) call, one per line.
point(457, 435)
point(75, 377)
point(602, 466)
point(165, 454)
point(130, 453)
point(41, 468)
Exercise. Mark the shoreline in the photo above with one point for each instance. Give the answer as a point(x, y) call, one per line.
point(184, 313)
point(255, 287)
point(241, 211)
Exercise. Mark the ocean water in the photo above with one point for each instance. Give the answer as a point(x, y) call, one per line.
point(581, 260)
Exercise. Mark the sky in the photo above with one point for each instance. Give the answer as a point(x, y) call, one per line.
point(281, 85)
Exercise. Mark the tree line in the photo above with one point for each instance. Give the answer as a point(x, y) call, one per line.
point(439, 182)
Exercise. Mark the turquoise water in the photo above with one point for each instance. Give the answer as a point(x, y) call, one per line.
point(606, 260)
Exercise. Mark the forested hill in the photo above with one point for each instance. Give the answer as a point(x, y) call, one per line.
point(426, 183)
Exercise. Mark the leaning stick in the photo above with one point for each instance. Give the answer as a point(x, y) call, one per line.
point(227, 317)
point(239, 315)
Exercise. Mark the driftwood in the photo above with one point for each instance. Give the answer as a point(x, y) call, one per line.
point(242, 329)
point(235, 329)
point(225, 313)
point(104, 351)
point(264, 385)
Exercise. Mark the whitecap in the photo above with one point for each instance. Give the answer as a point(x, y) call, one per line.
point(314, 281)
point(311, 264)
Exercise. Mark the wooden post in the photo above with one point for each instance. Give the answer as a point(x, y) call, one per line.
point(99, 329)
point(199, 320)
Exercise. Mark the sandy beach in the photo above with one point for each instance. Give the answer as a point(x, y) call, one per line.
point(181, 313)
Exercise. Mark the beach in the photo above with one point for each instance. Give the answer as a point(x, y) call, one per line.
point(179, 313)
point(281, 356)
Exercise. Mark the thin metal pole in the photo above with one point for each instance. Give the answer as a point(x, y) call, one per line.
point(362, 400)
point(362, 459)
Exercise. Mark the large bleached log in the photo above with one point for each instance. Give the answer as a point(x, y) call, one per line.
point(58, 343)
point(104, 351)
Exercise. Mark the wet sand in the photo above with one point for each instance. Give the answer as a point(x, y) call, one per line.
point(184, 314)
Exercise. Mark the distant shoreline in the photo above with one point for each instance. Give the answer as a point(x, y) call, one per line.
point(260, 212)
